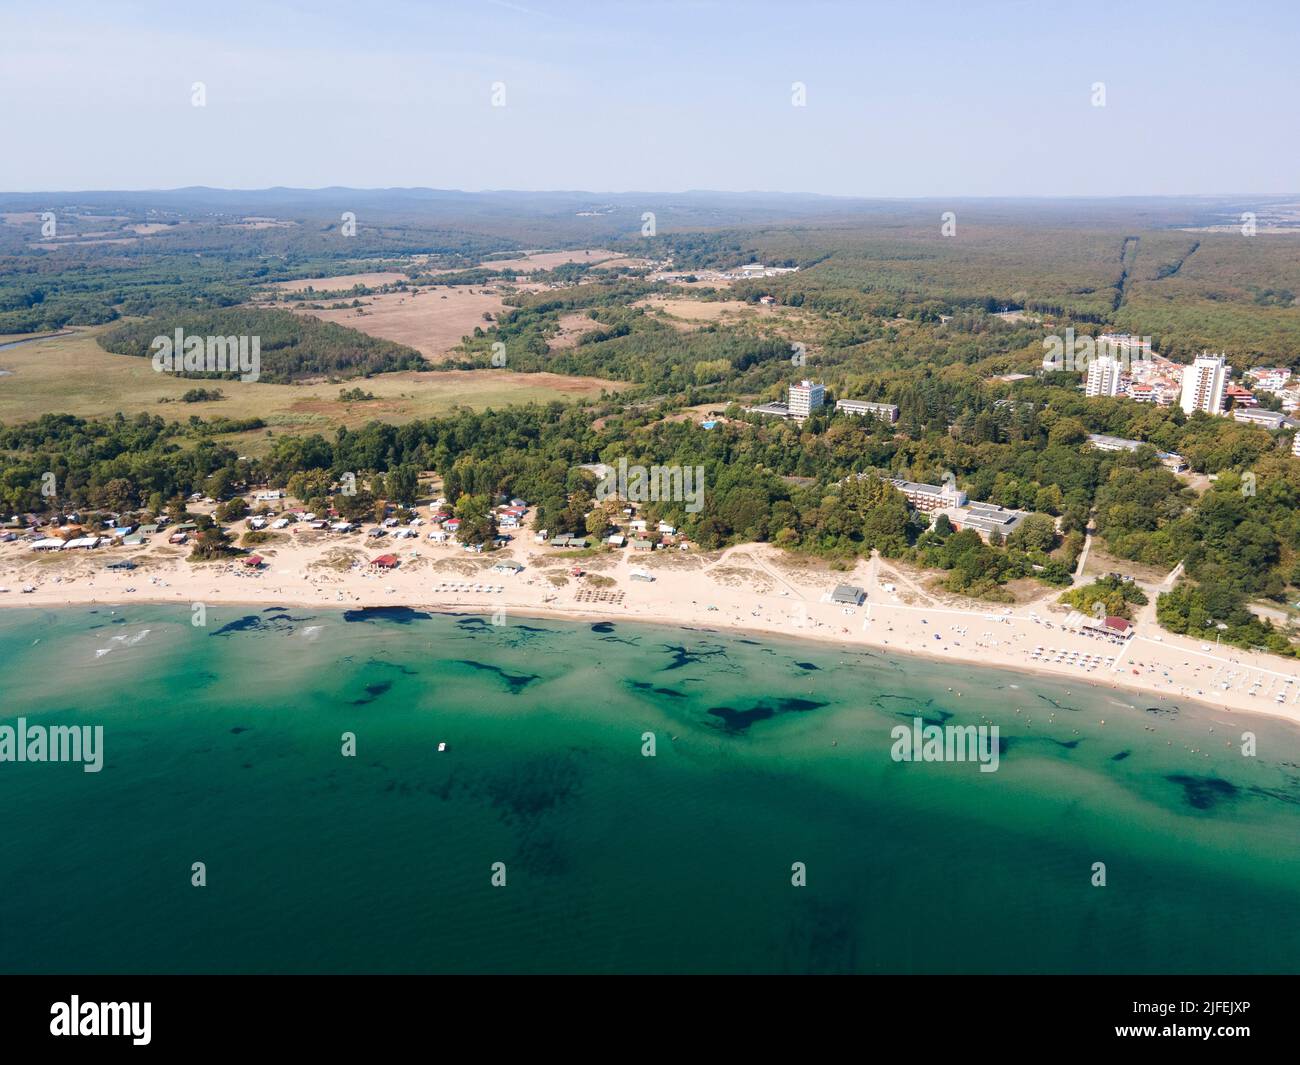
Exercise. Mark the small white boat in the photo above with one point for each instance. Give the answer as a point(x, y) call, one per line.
point(442, 746)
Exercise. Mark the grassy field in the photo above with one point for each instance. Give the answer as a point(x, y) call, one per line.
point(688, 310)
point(433, 322)
point(74, 375)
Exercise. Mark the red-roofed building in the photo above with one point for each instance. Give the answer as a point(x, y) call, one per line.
point(1241, 397)
point(253, 561)
point(384, 562)
point(1115, 627)
point(1111, 627)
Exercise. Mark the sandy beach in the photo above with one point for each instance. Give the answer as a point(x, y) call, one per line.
point(751, 588)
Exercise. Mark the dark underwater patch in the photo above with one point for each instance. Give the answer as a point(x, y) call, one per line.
point(807, 665)
point(737, 721)
point(534, 789)
point(399, 615)
point(798, 706)
point(633, 642)
point(248, 623)
point(1060, 706)
point(253, 623)
point(513, 633)
point(1273, 793)
point(516, 682)
point(643, 686)
point(1204, 793)
point(1167, 711)
point(373, 692)
point(823, 937)
point(240, 728)
point(929, 714)
point(880, 699)
point(1120, 757)
point(734, 720)
point(603, 626)
point(683, 657)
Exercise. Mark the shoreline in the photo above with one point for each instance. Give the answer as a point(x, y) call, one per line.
point(1107, 680)
point(748, 589)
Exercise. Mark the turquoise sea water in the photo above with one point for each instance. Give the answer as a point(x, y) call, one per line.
point(222, 745)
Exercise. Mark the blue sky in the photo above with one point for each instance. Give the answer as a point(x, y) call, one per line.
point(915, 98)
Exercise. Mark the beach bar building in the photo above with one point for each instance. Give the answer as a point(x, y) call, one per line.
point(848, 594)
point(1111, 627)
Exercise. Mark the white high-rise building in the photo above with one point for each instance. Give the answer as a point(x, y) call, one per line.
point(1203, 384)
point(806, 397)
point(1103, 377)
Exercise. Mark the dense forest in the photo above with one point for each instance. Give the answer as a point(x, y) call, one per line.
point(293, 347)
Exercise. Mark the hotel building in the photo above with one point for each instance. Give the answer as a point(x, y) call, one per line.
point(805, 397)
point(928, 498)
point(1204, 383)
point(1169, 459)
point(884, 411)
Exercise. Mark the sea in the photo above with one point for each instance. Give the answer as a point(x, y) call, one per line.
point(614, 798)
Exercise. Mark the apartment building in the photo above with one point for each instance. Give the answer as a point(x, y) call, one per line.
point(1269, 378)
point(1103, 377)
point(1204, 383)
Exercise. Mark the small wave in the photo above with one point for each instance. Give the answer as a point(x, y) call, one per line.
point(125, 640)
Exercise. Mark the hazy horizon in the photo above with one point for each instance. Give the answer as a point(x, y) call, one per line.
point(865, 101)
point(774, 193)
